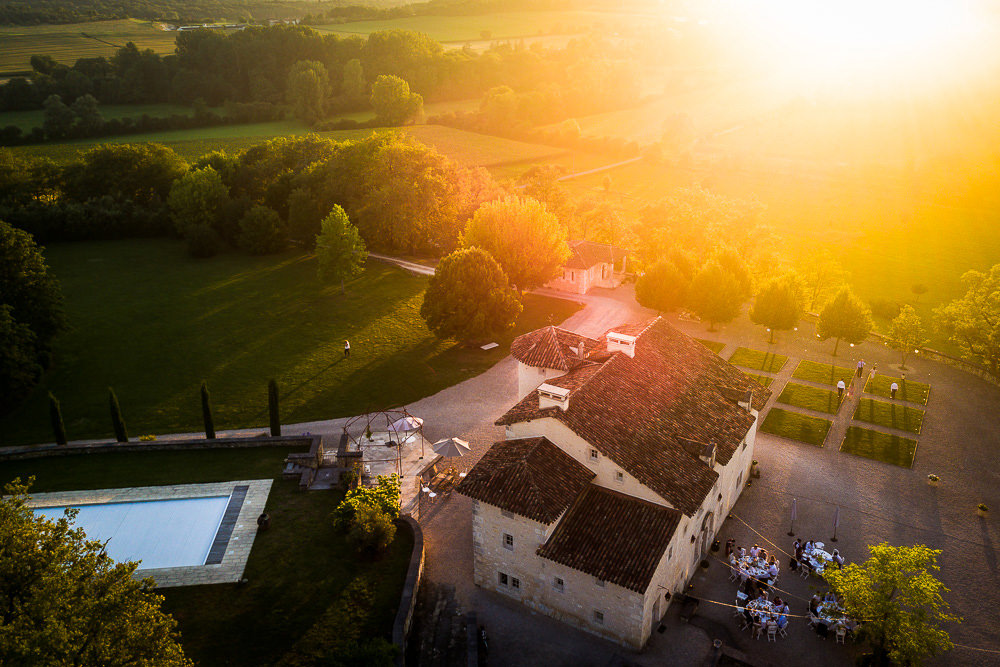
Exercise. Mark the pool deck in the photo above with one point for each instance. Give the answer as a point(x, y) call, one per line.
point(243, 525)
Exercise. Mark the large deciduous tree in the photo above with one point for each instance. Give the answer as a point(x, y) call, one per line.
point(339, 249)
point(715, 294)
point(143, 173)
point(778, 305)
point(845, 317)
point(663, 287)
point(469, 298)
point(973, 321)
point(906, 333)
point(899, 599)
point(822, 276)
point(308, 89)
point(196, 202)
point(526, 239)
point(393, 102)
point(64, 601)
point(261, 231)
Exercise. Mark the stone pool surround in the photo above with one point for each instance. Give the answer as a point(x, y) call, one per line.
point(237, 548)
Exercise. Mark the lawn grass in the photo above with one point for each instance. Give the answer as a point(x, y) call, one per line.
point(811, 398)
point(758, 361)
point(890, 415)
point(913, 392)
point(879, 446)
point(295, 571)
point(67, 43)
point(153, 323)
point(760, 379)
point(796, 426)
point(713, 345)
point(823, 373)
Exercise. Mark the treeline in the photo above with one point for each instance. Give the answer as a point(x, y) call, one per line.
point(254, 65)
point(401, 195)
point(436, 8)
point(35, 12)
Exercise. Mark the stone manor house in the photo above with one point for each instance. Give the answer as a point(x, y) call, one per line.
point(623, 456)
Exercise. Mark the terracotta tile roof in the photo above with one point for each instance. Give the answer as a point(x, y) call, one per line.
point(635, 410)
point(550, 347)
point(529, 476)
point(585, 254)
point(613, 536)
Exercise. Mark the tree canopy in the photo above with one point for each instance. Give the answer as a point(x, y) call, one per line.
point(308, 89)
point(778, 305)
point(143, 173)
point(715, 294)
point(973, 321)
point(526, 239)
point(393, 102)
point(906, 333)
point(469, 298)
point(196, 202)
point(64, 601)
point(663, 287)
point(339, 248)
point(845, 317)
point(899, 599)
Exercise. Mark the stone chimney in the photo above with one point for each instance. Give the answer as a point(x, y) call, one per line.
point(550, 396)
point(619, 342)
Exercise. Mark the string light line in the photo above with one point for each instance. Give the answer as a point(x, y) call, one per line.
point(762, 581)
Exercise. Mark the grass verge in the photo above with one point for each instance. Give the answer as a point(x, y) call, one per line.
point(713, 345)
point(890, 415)
point(296, 569)
point(758, 361)
point(822, 373)
point(870, 444)
point(760, 379)
point(811, 398)
point(796, 426)
point(153, 323)
point(913, 392)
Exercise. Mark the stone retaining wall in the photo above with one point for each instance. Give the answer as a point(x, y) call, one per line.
point(408, 600)
point(314, 442)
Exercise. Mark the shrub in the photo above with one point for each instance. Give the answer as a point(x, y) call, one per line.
point(261, 231)
point(384, 496)
point(372, 529)
point(885, 308)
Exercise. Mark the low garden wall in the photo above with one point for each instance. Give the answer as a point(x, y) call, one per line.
point(314, 442)
point(408, 600)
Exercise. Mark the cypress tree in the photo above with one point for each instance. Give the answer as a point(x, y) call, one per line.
point(272, 407)
point(206, 412)
point(121, 435)
point(55, 415)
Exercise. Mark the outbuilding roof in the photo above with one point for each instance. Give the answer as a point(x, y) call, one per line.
point(528, 476)
point(551, 347)
point(613, 536)
point(585, 254)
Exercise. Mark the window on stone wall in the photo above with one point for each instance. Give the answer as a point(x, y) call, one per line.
point(502, 578)
point(599, 617)
point(515, 582)
point(508, 541)
point(558, 584)
point(619, 477)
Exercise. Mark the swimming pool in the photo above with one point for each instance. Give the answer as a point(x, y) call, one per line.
point(175, 532)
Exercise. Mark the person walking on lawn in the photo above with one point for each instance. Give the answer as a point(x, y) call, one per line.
point(861, 367)
point(893, 388)
point(347, 349)
point(841, 386)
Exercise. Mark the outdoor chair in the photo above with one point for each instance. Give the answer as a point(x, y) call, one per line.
point(804, 571)
point(781, 631)
point(772, 632)
point(841, 634)
point(734, 574)
point(738, 612)
point(758, 630)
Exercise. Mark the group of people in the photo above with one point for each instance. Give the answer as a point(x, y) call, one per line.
point(762, 612)
point(826, 614)
point(806, 554)
point(756, 568)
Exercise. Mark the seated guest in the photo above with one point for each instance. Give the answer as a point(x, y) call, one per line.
point(742, 552)
point(772, 569)
point(782, 621)
point(763, 554)
point(829, 597)
point(748, 616)
point(808, 547)
point(781, 608)
point(814, 604)
point(755, 551)
point(838, 559)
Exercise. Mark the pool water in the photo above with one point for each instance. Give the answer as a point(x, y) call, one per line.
point(159, 533)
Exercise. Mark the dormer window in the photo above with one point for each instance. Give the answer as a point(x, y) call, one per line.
point(550, 396)
point(619, 342)
point(595, 456)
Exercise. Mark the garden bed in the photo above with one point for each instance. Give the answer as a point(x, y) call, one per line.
point(890, 415)
point(823, 373)
point(796, 426)
point(870, 444)
point(913, 392)
point(757, 360)
point(811, 398)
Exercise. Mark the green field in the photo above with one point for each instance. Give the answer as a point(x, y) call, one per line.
point(914, 392)
point(295, 571)
point(713, 345)
point(758, 361)
point(27, 120)
point(890, 415)
point(503, 25)
point(468, 148)
point(879, 446)
point(796, 426)
point(823, 373)
point(811, 398)
point(67, 43)
point(151, 322)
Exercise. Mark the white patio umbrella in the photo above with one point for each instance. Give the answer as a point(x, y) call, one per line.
point(450, 447)
point(407, 423)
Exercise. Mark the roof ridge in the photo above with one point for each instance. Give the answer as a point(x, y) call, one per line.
point(596, 373)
